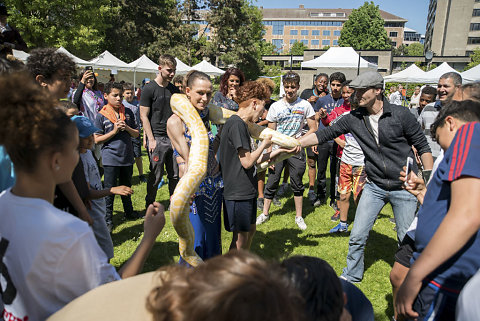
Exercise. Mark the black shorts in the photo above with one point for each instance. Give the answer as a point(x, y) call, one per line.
point(238, 216)
point(137, 147)
point(405, 251)
point(310, 153)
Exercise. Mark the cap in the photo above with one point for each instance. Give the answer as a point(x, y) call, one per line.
point(367, 79)
point(85, 126)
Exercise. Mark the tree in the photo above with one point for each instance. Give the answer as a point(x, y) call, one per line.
point(475, 59)
point(266, 48)
point(79, 26)
point(298, 48)
point(364, 29)
point(237, 32)
point(415, 49)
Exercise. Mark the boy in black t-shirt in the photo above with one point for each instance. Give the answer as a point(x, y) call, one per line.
point(237, 161)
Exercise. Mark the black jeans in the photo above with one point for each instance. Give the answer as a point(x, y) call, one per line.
point(115, 176)
point(160, 157)
point(325, 151)
point(296, 166)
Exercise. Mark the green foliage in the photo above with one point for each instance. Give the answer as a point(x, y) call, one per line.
point(238, 32)
point(266, 48)
point(364, 29)
point(273, 71)
point(298, 48)
point(475, 59)
point(415, 49)
point(79, 26)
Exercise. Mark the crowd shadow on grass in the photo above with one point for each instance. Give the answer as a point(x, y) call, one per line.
point(279, 244)
point(389, 309)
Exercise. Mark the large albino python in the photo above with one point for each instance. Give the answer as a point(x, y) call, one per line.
point(197, 166)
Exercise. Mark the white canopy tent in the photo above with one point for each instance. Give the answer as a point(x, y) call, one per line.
point(20, 55)
point(343, 59)
point(410, 74)
point(78, 61)
point(471, 75)
point(145, 67)
point(208, 68)
point(182, 68)
point(107, 61)
point(432, 76)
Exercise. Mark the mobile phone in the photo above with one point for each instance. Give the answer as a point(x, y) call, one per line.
point(89, 68)
point(408, 169)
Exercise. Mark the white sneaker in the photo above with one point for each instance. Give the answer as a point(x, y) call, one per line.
point(301, 223)
point(262, 218)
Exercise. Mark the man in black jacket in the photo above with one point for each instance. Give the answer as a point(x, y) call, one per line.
point(386, 133)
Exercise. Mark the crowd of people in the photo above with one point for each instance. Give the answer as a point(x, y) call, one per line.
point(54, 152)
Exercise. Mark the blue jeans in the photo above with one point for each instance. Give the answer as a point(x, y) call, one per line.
point(371, 203)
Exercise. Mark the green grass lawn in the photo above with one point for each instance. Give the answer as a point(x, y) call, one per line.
point(275, 240)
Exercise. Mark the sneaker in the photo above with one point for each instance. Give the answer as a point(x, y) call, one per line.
point(301, 223)
point(260, 203)
point(262, 218)
point(392, 220)
point(319, 202)
point(142, 178)
point(340, 228)
point(282, 190)
point(335, 217)
point(276, 202)
point(312, 197)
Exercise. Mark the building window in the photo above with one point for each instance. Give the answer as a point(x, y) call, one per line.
point(394, 43)
point(335, 42)
point(207, 30)
point(315, 32)
point(315, 42)
point(278, 43)
point(325, 42)
point(302, 23)
point(293, 32)
point(304, 32)
point(326, 32)
point(475, 26)
point(393, 34)
point(292, 41)
point(336, 33)
point(278, 28)
point(304, 41)
point(473, 41)
point(476, 13)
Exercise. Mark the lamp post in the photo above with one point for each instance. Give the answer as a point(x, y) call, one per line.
point(428, 58)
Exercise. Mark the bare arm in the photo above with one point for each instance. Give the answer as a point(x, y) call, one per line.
point(147, 128)
point(312, 125)
point(153, 225)
point(106, 137)
point(248, 159)
point(427, 161)
point(132, 132)
point(117, 190)
point(176, 133)
point(340, 142)
point(459, 225)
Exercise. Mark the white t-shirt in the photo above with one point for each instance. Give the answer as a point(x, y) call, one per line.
point(374, 123)
point(51, 257)
point(290, 117)
point(352, 152)
point(395, 98)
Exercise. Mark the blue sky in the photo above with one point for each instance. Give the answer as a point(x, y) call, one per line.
point(415, 11)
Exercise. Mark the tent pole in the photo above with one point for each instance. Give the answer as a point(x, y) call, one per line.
point(358, 67)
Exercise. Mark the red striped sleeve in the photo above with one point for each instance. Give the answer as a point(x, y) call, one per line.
point(460, 151)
